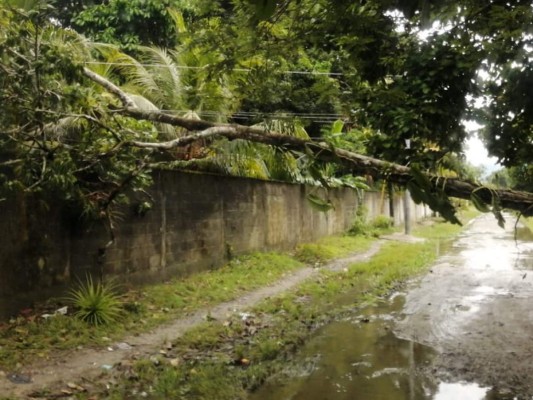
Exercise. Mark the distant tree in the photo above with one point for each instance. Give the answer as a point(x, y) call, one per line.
point(500, 179)
point(127, 23)
point(509, 118)
point(521, 177)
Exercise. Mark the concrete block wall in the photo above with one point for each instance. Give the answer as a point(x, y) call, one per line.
point(197, 222)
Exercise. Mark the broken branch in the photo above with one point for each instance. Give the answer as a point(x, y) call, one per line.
point(357, 164)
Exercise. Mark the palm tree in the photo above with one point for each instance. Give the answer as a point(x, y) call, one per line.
point(159, 79)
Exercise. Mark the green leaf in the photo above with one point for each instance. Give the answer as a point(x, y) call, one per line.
point(479, 203)
point(264, 9)
point(500, 218)
point(177, 17)
point(497, 210)
point(319, 204)
point(417, 194)
point(337, 127)
point(421, 179)
point(318, 175)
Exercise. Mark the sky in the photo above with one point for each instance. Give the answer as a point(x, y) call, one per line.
point(475, 151)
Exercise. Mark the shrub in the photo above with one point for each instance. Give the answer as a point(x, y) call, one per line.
point(96, 303)
point(382, 222)
point(311, 253)
point(360, 225)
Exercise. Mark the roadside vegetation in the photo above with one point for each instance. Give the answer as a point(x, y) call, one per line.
point(226, 359)
point(30, 336)
point(527, 222)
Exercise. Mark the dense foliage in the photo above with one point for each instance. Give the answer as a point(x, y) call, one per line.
point(57, 134)
point(400, 75)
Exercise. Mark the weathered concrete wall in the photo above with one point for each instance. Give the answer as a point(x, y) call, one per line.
point(377, 203)
point(197, 221)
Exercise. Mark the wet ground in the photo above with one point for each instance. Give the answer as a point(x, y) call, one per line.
point(462, 332)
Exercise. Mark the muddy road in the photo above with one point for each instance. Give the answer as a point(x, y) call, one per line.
point(464, 331)
point(476, 308)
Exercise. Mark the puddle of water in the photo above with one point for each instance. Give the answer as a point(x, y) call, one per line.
point(361, 358)
point(474, 308)
point(461, 390)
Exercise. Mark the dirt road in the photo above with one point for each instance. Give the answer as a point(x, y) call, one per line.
point(462, 332)
point(71, 366)
point(469, 319)
point(476, 309)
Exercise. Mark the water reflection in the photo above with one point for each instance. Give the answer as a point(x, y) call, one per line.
point(475, 303)
point(361, 358)
point(462, 390)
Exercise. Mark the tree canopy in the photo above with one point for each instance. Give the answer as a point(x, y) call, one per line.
point(390, 79)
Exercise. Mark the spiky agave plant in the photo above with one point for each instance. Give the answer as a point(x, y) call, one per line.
point(96, 303)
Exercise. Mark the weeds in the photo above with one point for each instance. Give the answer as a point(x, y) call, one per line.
point(96, 302)
point(210, 353)
point(382, 222)
point(25, 339)
point(378, 226)
point(331, 247)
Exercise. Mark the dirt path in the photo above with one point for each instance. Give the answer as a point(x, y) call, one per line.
point(475, 308)
point(70, 367)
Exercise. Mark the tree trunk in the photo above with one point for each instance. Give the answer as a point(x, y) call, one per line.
point(407, 211)
point(353, 163)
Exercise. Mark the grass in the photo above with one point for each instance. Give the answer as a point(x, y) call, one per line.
point(227, 359)
point(26, 339)
point(96, 303)
point(329, 248)
point(528, 222)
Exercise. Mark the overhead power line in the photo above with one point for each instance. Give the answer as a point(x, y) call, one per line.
point(248, 115)
point(247, 70)
point(259, 113)
point(321, 118)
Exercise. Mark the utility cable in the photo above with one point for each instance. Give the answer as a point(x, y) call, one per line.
point(287, 72)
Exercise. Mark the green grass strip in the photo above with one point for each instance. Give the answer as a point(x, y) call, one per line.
point(23, 339)
point(227, 359)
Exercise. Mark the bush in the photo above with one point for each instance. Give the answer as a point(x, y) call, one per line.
point(311, 253)
point(382, 222)
point(376, 227)
point(96, 303)
point(360, 225)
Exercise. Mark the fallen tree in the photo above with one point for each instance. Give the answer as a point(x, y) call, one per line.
point(430, 189)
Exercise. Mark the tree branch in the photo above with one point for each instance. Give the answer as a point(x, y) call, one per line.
point(355, 163)
point(110, 87)
point(185, 140)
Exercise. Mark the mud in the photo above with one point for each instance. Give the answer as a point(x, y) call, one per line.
point(464, 331)
point(475, 309)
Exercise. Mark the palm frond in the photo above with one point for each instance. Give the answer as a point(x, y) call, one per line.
point(137, 75)
point(289, 128)
point(177, 17)
point(65, 127)
point(166, 75)
point(69, 41)
point(240, 158)
point(140, 101)
point(165, 131)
